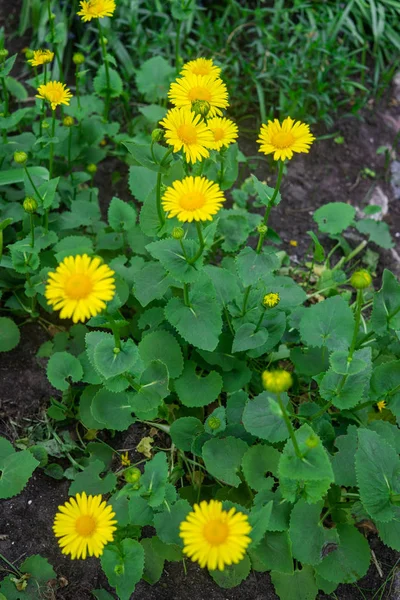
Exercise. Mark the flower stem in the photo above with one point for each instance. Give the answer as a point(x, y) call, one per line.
point(260, 320)
point(289, 427)
point(32, 231)
point(77, 91)
point(177, 46)
point(160, 211)
point(115, 330)
point(359, 303)
point(271, 204)
point(53, 130)
point(186, 294)
point(104, 52)
point(201, 241)
point(33, 184)
point(245, 299)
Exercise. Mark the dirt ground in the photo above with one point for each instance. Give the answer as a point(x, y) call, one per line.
point(331, 172)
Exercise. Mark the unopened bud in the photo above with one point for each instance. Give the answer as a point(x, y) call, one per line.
point(214, 423)
point(78, 58)
point(29, 53)
point(178, 233)
point(157, 135)
point(262, 229)
point(45, 125)
point(68, 121)
point(92, 169)
point(201, 107)
point(132, 475)
point(20, 157)
point(3, 55)
point(30, 205)
point(312, 441)
point(361, 279)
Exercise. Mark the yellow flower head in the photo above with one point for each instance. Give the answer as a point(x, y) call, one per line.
point(41, 57)
point(80, 287)
point(96, 9)
point(270, 300)
point(224, 131)
point(186, 130)
point(214, 537)
point(125, 462)
point(193, 199)
point(201, 66)
point(293, 243)
point(283, 140)
point(190, 88)
point(381, 405)
point(276, 381)
point(84, 525)
point(54, 92)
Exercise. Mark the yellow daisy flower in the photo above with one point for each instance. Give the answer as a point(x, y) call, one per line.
point(80, 287)
point(214, 537)
point(276, 381)
point(270, 300)
point(186, 130)
point(284, 139)
point(84, 525)
point(224, 131)
point(190, 88)
point(54, 92)
point(41, 57)
point(193, 199)
point(381, 405)
point(201, 66)
point(96, 9)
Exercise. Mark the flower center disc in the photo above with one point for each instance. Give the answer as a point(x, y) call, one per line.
point(199, 93)
point(78, 286)
point(192, 200)
point(187, 133)
point(283, 139)
point(218, 134)
point(85, 525)
point(216, 532)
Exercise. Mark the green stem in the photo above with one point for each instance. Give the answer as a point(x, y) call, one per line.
point(222, 170)
point(289, 428)
point(33, 184)
point(160, 211)
point(359, 303)
point(132, 382)
point(276, 191)
point(183, 249)
point(186, 294)
point(260, 319)
point(322, 411)
point(5, 94)
point(77, 91)
point(228, 320)
point(53, 131)
point(32, 231)
point(14, 569)
point(177, 46)
point(201, 241)
point(104, 52)
point(245, 299)
point(69, 149)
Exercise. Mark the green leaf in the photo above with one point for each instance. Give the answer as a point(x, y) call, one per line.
point(170, 254)
point(378, 474)
point(163, 346)
point(101, 595)
point(123, 565)
point(16, 469)
point(9, 334)
point(151, 283)
point(386, 307)
point(153, 562)
point(153, 389)
point(273, 553)
point(200, 323)
point(309, 361)
point(226, 284)
point(140, 513)
point(153, 112)
point(350, 561)
point(234, 228)
point(299, 586)
point(141, 181)
point(218, 415)
point(390, 532)
point(39, 568)
point(184, 430)
point(314, 464)
point(100, 83)
point(154, 77)
point(334, 217)
point(72, 246)
point(121, 215)
point(258, 461)
point(223, 458)
point(346, 391)
point(232, 575)
point(154, 479)
point(167, 522)
point(89, 480)
point(319, 252)
point(252, 267)
point(343, 462)
point(378, 232)
point(329, 323)
point(260, 418)
point(264, 192)
point(61, 367)
point(112, 410)
point(194, 390)
point(307, 535)
point(247, 338)
point(110, 363)
point(259, 519)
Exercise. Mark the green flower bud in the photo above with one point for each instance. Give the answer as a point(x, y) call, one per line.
point(262, 229)
point(20, 157)
point(361, 279)
point(132, 475)
point(201, 107)
point(276, 381)
point(3, 55)
point(312, 441)
point(178, 233)
point(157, 135)
point(29, 54)
point(45, 124)
point(78, 58)
point(68, 121)
point(119, 569)
point(30, 205)
point(92, 169)
point(214, 423)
